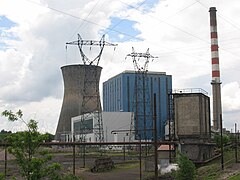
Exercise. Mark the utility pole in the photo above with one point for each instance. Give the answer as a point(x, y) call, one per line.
point(221, 130)
point(155, 140)
point(236, 143)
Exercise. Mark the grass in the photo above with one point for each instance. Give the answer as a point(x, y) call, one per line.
point(127, 165)
point(235, 177)
point(213, 169)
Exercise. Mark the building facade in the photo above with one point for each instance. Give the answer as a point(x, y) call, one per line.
point(119, 94)
point(114, 124)
point(193, 126)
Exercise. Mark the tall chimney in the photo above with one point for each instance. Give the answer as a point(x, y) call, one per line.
point(216, 83)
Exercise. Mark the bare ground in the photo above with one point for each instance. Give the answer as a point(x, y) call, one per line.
point(230, 171)
point(116, 174)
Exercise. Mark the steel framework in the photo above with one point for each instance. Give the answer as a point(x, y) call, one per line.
point(143, 114)
point(92, 95)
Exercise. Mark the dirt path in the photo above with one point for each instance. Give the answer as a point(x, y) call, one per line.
point(116, 174)
point(230, 171)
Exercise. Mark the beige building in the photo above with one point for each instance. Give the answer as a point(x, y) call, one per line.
point(192, 125)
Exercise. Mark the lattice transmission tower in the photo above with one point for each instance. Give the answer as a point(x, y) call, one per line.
point(142, 119)
point(91, 105)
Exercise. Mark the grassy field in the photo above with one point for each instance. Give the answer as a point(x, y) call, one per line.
point(213, 170)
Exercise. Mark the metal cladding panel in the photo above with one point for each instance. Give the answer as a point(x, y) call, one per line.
point(81, 94)
point(121, 96)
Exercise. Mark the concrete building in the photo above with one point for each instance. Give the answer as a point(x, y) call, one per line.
point(192, 125)
point(112, 123)
point(119, 95)
point(81, 95)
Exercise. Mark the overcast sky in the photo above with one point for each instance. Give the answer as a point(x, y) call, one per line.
point(34, 33)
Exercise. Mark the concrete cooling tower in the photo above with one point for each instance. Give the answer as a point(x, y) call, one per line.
point(81, 95)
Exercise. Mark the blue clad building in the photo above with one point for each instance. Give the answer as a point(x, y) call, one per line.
point(119, 95)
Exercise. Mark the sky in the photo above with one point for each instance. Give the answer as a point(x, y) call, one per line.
point(33, 36)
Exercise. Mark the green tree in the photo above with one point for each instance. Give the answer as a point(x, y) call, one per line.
point(217, 139)
point(187, 170)
point(4, 134)
point(33, 163)
point(49, 137)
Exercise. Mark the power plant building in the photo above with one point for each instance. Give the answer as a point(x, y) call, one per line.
point(119, 95)
point(192, 125)
point(113, 123)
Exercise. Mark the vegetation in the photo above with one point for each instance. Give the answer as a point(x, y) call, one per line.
point(213, 169)
point(4, 134)
point(187, 170)
point(217, 139)
point(236, 177)
point(33, 162)
point(49, 137)
point(2, 177)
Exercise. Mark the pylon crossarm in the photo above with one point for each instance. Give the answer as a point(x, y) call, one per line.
point(80, 43)
point(137, 66)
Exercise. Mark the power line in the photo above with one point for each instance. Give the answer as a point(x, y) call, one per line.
point(119, 22)
point(173, 26)
point(85, 19)
point(221, 16)
point(128, 35)
point(233, 24)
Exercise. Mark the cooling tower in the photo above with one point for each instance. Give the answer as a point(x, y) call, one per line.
point(81, 94)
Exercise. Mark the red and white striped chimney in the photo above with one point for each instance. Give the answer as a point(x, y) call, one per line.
point(216, 83)
point(214, 46)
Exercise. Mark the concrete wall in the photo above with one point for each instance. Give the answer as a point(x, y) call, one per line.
point(198, 152)
point(81, 94)
point(192, 125)
point(192, 115)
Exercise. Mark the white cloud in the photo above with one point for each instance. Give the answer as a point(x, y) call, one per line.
point(231, 94)
point(30, 75)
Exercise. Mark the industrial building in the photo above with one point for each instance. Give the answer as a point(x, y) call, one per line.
point(114, 125)
point(119, 95)
point(81, 89)
point(192, 125)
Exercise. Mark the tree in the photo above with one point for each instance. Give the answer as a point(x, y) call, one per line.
point(187, 170)
point(34, 163)
point(4, 134)
point(217, 139)
point(49, 136)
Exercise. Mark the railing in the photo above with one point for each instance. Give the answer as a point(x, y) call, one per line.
point(190, 90)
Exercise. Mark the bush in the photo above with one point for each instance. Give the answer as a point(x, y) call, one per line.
point(187, 170)
point(2, 177)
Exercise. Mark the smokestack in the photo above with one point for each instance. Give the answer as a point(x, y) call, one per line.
point(216, 83)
